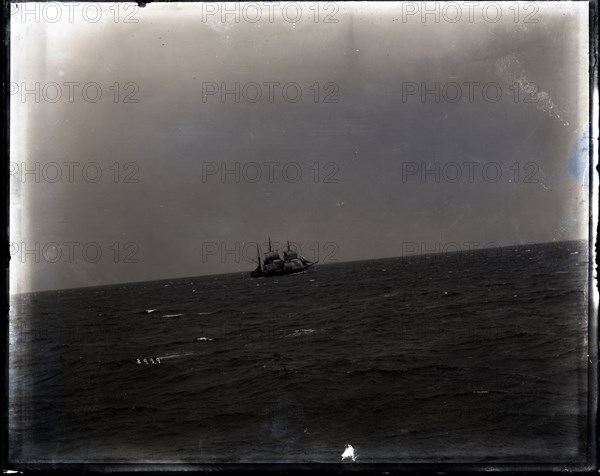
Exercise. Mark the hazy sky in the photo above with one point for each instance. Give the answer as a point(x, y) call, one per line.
point(176, 214)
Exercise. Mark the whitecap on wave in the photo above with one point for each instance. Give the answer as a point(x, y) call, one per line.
point(176, 355)
point(301, 332)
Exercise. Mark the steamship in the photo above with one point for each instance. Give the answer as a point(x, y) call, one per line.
point(274, 265)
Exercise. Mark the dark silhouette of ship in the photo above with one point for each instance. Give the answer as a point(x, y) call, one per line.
point(273, 265)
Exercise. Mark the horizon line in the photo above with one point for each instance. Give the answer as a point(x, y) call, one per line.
point(321, 264)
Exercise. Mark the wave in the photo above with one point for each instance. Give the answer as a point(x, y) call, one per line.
point(176, 355)
point(302, 332)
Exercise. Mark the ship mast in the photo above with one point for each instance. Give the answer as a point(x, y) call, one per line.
point(270, 244)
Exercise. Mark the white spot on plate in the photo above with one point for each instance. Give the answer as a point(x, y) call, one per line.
point(348, 453)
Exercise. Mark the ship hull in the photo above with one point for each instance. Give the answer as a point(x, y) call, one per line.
point(278, 272)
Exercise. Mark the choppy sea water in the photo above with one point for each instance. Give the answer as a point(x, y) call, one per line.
point(467, 357)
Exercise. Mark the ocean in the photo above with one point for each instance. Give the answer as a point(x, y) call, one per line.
point(472, 357)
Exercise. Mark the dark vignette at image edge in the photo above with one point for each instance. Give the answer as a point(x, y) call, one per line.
point(592, 448)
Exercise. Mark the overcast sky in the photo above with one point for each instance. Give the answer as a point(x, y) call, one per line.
point(173, 214)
